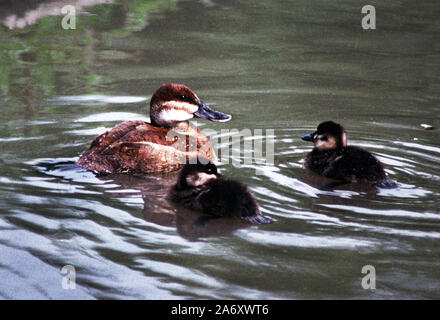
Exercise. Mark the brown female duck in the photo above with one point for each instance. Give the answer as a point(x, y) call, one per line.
point(163, 145)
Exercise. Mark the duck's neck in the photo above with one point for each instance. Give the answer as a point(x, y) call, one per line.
point(186, 128)
point(183, 126)
point(328, 151)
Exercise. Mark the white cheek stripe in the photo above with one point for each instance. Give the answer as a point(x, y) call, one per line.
point(204, 177)
point(344, 139)
point(189, 107)
point(174, 115)
point(199, 179)
point(329, 144)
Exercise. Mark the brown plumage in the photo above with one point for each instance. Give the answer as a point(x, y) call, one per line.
point(163, 146)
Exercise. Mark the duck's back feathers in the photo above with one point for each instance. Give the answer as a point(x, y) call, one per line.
point(228, 198)
point(137, 146)
point(221, 197)
point(347, 164)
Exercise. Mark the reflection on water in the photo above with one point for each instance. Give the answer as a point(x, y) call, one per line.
point(28, 13)
point(285, 66)
point(151, 190)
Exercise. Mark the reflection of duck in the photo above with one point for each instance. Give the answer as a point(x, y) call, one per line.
point(200, 188)
point(192, 226)
point(163, 145)
point(153, 188)
point(189, 224)
point(332, 158)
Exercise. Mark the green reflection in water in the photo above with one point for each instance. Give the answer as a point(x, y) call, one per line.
point(44, 59)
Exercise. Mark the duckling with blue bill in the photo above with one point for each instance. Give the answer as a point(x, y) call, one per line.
point(332, 158)
point(200, 187)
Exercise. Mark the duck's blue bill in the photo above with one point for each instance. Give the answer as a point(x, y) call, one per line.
point(205, 112)
point(308, 137)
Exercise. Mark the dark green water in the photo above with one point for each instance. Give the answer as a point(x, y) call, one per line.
point(274, 65)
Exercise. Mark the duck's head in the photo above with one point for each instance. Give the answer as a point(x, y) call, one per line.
point(329, 135)
point(173, 103)
point(197, 172)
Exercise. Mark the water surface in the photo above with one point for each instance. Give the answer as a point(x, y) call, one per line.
point(282, 66)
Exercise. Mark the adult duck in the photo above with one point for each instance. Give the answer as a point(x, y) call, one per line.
point(163, 145)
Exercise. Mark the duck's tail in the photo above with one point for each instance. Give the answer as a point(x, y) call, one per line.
point(258, 219)
point(387, 184)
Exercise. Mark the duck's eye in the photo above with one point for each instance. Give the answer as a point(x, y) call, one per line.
point(183, 98)
point(211, 170)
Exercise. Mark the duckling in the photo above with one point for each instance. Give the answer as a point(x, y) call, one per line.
point(332, 158)
point(160, 146)
point(201, 188)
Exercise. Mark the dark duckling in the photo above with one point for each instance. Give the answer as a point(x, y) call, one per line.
point(201, 188)
point(332, 158)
